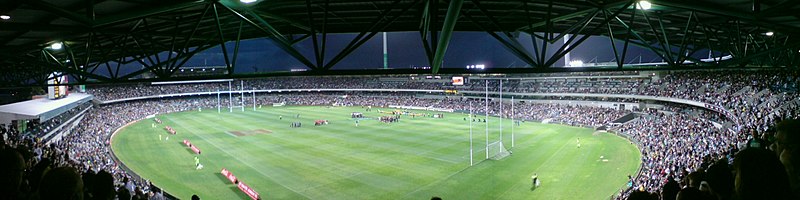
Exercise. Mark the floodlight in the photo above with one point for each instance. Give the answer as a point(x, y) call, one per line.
point(769, 33)
point(5, 17)
point(56, 46)
point(644, 5)
point(576, 63)
point(248, 1)
point(478, 66)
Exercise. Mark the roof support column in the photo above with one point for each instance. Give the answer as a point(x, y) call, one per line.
point(222, 41)
point(453, 12)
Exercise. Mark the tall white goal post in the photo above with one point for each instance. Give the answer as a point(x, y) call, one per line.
point(497, 150)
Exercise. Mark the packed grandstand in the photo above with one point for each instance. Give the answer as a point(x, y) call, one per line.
point(678, 141)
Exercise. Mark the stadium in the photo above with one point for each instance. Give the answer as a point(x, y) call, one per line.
point(139, 99)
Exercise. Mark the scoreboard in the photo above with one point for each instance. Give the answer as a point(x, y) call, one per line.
point(458, 80)
point(57, 86)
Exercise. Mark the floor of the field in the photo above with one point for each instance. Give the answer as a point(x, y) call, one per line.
point(415, 158)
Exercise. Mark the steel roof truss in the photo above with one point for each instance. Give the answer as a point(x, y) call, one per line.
point(380, 23)
point(272, 33)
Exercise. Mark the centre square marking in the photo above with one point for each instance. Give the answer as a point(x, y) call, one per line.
point(249, 132)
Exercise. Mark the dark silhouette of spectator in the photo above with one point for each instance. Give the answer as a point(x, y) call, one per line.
point(691, 193)
point(670, 189)
point(760, 175)
point(695, 178)
point(195, 197)
point(103, 188)
point(123, 194)
point(61, 183)
point(436, 198)
point(787, 146)
point(720, 180)
point(12, 167)
point(139, 194)
point(88, 183)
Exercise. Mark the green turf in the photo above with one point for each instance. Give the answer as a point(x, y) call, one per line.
point(415, 158)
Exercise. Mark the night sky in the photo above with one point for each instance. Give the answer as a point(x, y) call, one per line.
point(405, 50)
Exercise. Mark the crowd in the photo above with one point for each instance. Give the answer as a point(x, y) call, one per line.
point(673, 143)
point(567, 114)
point(42, 128)
point(685, 159)
point(85, 152)
point(112, 92)
point(679, 144)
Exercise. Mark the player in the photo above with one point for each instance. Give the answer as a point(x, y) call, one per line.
point(535, 180)
point(579, 143)
point(197, 163)
point(159, 137)
point(356, 123)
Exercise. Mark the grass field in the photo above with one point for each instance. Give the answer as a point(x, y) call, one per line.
point(415, 158)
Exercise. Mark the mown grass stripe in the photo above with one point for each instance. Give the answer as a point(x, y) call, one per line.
point(412, 159)
point(322, 164)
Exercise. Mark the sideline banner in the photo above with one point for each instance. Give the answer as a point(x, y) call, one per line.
point(249, 191)
point(194, 148)
point(170, 130)
point(229, 175)
point(243, 187)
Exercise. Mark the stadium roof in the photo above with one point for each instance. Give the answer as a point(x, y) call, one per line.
point(42, 109)
point(162, 35)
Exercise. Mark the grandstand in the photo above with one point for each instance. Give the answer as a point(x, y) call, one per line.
point(718, 123)
point(170, 99)
point(48, 119)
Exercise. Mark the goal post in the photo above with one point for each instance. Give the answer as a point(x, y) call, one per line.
point(496, 150)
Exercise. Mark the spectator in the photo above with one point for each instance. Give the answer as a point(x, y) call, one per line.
point(760, 175)
point(61, 183)
point(12, 166)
